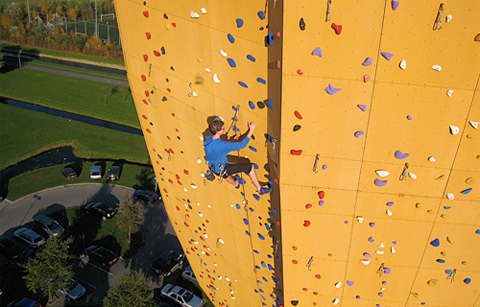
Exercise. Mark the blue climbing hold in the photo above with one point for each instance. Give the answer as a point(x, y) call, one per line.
point(260, 80)
point(239, 22)
point(270, 215)
point(449, 272)
point(260, 236)
point(245, 221)
point(256, 196)
point(258, 281)
point(270, 267)
point(435, 242)
point(251, 58)
point(270, 104)
point(477, 231)
point(267, 226)
point(446, 207)
point(231, 39)
point(235, 129)
point(440, 261)
point(257, 267)
point(251, 209)
point(270, 38)
point(467, 280)
point(261, 15)
point(256, 252)
point(269, 256)
point(149, 100)
point(247, 232)
point(255, 165)
point(238, 206)
point(275, 211)
point(231, 62)
point(263, 264)
point(264, 279)
point(251, 104)
point(242, 84)
point(234, 108)
point(241, 181)
point(466, 191)
point(242, 193)
point(270, 181)
point(256, 291)
point(252, 148)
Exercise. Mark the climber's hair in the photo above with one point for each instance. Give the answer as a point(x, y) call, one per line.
point(216, 126)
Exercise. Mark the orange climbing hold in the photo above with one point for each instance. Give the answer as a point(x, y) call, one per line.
point(321, 194)
point(298, 115)
point(296, 152)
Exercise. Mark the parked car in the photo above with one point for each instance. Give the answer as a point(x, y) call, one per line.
point(11, 249)
point(188, 274)
point(167, 263)
point(114, 173)
point(29, 236)
point(74, 290)
point(100, 255)
point(181, 296)
point(69, 173)
point(24, 302)
point(49, 225)
point(102, 209)
point(145, 195)
point(96, 172)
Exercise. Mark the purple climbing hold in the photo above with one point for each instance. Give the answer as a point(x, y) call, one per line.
point(231, 62)
point(260, 80)
point(358, 134)
point(390, 203)
point(435, 243)
point(368, 61)
point(324, 167)
point(231, 39)
point(243, 84)
point(387, 55)
point(239, 22)
point(350, 283)
point(331, 90)
point(380, 183)
point(371, 240)
point(318, 51)
point(362, 107)
point(384, 283)
point(251, 58)
point(252, 148)
point(270, 104)
point(400, 155)
point(394, 242)
point(380, 294)
point(466, 191)
point(409, 117)
point(261, 15)
point(387, 270)
point(395, 4)
point(371, 224)
point(366, 255)
point(321, 203)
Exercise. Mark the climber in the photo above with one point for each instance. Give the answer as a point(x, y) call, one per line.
point(216, 151)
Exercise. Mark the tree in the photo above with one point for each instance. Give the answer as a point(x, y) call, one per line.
point(2, 63)
point(133, 291)
point(130, 216)
point(49, 270)
point(105, 91)
point(125, 91)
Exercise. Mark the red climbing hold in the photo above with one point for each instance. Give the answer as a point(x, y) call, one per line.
point(294, 248)
point(144, 116)
point(177, 176)
point(278, 223)
point(338, 29)
point(318, 276)
point(171, 151)
point(278, 34)
point(298, 115)
point(146, 14)
point(186, 224)
point(279, 64)
point(185, 171)
point(296, 152)
point(144, 78)
point(366, 78)
point(179, 182)
point(173, 114)
point(174, 24)
point(169, 90)
point(165, 190)
point(145, 102)
point(299, 72)
point(148, 130)
point(156, 53)
point(145, 57)
point(149, 36)
point(275, 180)
point(294, 261)
point(308, 206)
point(305, 289)
point(147, 93)
point(178, 208)
point(170, 180)
point(306, 223)
point(321, 194)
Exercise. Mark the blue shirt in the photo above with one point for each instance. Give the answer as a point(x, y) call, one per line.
point(216, 151)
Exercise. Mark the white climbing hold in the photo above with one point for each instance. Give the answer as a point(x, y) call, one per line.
point(382, 173)
point(193, 186)
point(194, 94)
point(474, 124)
point(454, 130)
point(209, 206)
point(412, 175)
point(215, 78)
point(450, 196)
point(194, 14)
point(360, 219)
point(389, 213)
point(335, 301)
point(223, 52)
point(221, 241)
point(202, 175)
point(207, 70)
point(205, 235)
point(448, 18)
point(431, 159)
point(185, 190)
point(380, 252)
point(383, 289)
point(403, 64)
point(198, 204)
point(199, 161)
point(437, 67)
point(200, 214)
point(392, 250)
point(449, 93)
point(203, 10)
point(201, 138)
point(338, 285)
point(381, 245)
point(365, 261)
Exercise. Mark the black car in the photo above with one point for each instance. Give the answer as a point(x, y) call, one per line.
point(100, 255)
point(11, 249)
point(145, 195)
point(104, 210)
point(69, 173)
point(113, 173)
point(167, 263)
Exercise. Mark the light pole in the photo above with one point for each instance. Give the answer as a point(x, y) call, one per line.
point(156, 184)
point(96, 22)
point(28, 10)
point(19, 62)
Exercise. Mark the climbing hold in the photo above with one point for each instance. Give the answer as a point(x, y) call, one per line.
point(306, 223)
point(449, 240)
point(251, 104)
point(357, 134)
point(368, 61)
point(412, 175)
point(156, 53)
point(279, 64)
point(231, 39)
point(223, 53)
point(146, 14)
point(477, 38)
point(350, 283)
point(260, 80)
point(401, 155)
point(437, 67)
point(467, 280)
point(294, 261)
point(440, 261)
point(251, 58)
point(331, 90)
point(337, 28)
point(145, 57)
point(318, 276)
point(474, 124)
point(338, 285)
point(321, 194)
point(243, 84)
point(260, 105)
point(298, 115)
point(431, 159)
point(382, 173)
point(371, 224)
point(365, 261)
point(318, 52)
point(403, 64)
point(466, 191)
point(167, 26)
point(270, 38)
point(362, 107)
point(435, 242)
point(260, 236)
point(390, 203)
point(302, 24)
point(371, 240)
point(387, 55)
point(149, 35)
point(449, 93)
point(297, 127)
point(450, 196)
point(299, 72)
point(239, 22)
point(252, 148)
point(270, 104)
point(245, 221)
point(175, 25)
point(409, 117)
point(261, 15)
point(360, 219)
point(203, 10)
point(215, 78)
point(395, 4)
point(454, 130)
point(432, 282)
point(380, 183)
point(231, 62)
point(366, 78)
point(194, 15)
point(144, 78)
point(256, 197)
point(392, 250)
point(308, 206)
point(294, 303)
point(389, 213)
point(335, 301)
point(366, 255)
point(296, 152)
point(324, 166)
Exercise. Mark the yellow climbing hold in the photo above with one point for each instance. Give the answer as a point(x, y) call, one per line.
point(415, 294)
point(432, 282)
point(440, 177)
point(449, 240)
point(469, 136)
point(418, 205)
point(167, 26)
point(470, 180)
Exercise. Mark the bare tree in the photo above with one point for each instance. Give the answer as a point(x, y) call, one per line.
point(130, 216)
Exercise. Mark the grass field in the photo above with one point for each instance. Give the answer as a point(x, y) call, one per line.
point(70, 94)
point(24, 133)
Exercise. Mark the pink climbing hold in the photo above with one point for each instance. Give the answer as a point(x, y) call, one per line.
point(146, 14)
point(295, 261)
point(278, 34)
point(294, 248)
point(337, 28)
point(306, 223)
point(387, 55)
point(318, 276)
point(395, 4)
point(331, 90)
point(279, 64)
point(298, 115)
point(299, 72)
point(318, 52)
point(149, 36)
point(366, 78)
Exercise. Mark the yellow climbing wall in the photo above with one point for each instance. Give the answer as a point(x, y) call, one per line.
point(376, 155)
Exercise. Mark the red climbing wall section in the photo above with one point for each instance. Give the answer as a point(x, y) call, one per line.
point(367, 114)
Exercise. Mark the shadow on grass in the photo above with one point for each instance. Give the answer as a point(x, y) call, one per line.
point(14, 57)
point(145, 179)
point(136, 243)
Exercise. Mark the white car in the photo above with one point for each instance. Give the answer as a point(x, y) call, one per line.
point(181, 296)
point(188, 274)
point(96, 172)
point(29, 236)
point(49, 225)
point(73, 290)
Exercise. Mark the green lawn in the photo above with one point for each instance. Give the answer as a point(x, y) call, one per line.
point(83, 71)
point(24, 133)
point(70, 94)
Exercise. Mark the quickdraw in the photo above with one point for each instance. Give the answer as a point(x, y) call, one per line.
point(438, 22)
point(403, 176)
point(269, 138)
point(329, 4)
point(309, 263)
point(315, 165)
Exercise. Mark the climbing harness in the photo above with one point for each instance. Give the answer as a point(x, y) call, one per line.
point(451, 276)
point(315, 165)
point(403, 176)
point(438, 22)
point(309, 263)
point(329, 4)
point(269, 138)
